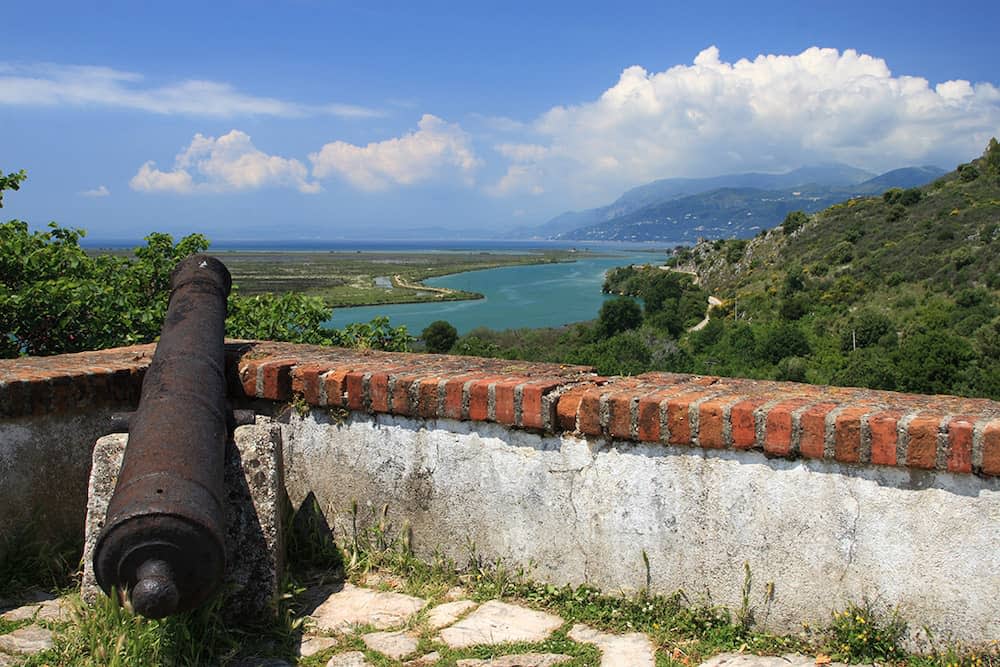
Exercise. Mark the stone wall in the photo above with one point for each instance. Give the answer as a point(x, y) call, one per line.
point(827, 494)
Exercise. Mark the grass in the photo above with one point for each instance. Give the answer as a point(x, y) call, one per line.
point(683, 631)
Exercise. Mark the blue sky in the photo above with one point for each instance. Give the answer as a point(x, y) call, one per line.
point(327, 120)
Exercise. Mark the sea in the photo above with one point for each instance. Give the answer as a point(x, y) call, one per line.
point(532, 296)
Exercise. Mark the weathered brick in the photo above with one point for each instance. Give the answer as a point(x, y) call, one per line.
point(679, 417)
point(620, 415)
point(454, 388)
point(991, 448)
point(710, 422)
point(812, 430)
point(884, 439)
point(479, 398)
point(354, 385)
point(503, 400)
point(306, 382)
point(378, 391)
point(567, 408)
point(921, 451)
point(743, 423)
point(847, 435)
point(590, 412)
point(778, 427)
point(336, 387)
point(532, 393)
point(277, 379)
point(249, 374)
point(401, 395)
point(427, 397)
point(960, 431)
point(649, 419)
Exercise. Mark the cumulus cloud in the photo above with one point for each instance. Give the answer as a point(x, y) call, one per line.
point(227, 163)
point(435, 148)
point(100, 191)
point(772, 113)
point(90, 86)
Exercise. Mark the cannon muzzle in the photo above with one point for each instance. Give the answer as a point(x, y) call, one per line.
point(163, 540)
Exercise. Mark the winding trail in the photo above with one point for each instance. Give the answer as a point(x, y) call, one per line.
point(712, 301)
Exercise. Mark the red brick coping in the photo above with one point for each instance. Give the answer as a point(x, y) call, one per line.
point(780, 419)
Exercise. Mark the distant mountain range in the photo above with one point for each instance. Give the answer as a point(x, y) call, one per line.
point(734, 205)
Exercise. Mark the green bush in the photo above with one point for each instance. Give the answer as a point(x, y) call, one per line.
point(861, 633)
point(618, 315)
point(439, 336)
point(793, 222)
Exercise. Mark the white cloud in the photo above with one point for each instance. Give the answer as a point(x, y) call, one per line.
point(90, 86)
point(435, 148)
point(100, 191)
point(772, 113)
point(230, 162)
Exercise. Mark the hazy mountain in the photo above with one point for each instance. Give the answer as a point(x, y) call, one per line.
point(750, 203)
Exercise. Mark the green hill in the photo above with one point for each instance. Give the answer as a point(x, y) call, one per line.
point(897, 291)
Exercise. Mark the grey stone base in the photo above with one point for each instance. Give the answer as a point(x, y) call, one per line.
point(255, 508)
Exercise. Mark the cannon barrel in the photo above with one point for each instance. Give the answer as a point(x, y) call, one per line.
point(163, 539)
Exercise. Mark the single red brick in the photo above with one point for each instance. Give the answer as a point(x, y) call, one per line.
point(532, 394)
point(884, 439)
point(335, 385)
point(679, 417)
point(921, 449)
point(589, 419)
point(778, 427)
point(649, 419)
point(503, 401)
point(479, 399)
point(453, 397)
point(306, 382)
point(847, 435)
point(354, 383)
point(960, 444)
point(710, 420)
point(620, 414)
point(401, 395)
point(378, 391)
point(991, 448)
point(743, 423)
point(427, 398)
point(812, 430)
point(567, 407)
point(277, 379)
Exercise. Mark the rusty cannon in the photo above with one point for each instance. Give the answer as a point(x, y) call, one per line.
point(162, 543)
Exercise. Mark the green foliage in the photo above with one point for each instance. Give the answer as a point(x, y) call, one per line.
point(439, 336)
point(933, 362)
point(794, 222)
point(618, 315)
point(290, 317)
point(865, 328)
point(11, 181)
point(967, 172)
point(862, 633)
point(784, 340)
point(735, 249)
point(472, 345)
point(623, 354)
point(374, 335)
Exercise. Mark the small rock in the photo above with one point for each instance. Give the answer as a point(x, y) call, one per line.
point(392, 644)
point(352, 659)
point(455, 593)
point(27, 640)
point(497, 622)
point(25, 613)
point(631, 650)
point(447, 613)
point(360, 606)
point(6, 660)
point(745, 660)
point(313, 644)
point(424, 660)
point(521, 660)
point(383, 580)
point(55, 611)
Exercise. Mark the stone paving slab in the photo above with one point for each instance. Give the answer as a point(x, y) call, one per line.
point(352, 659)
point(629, 650)
point(744, 660)
point(55, 610)
point(497, 622)
point(352, 606)
point(445, 614)
point(313, 644)
point(424, 660)
point(395, 645)
point(26, 640)
point(522, 660)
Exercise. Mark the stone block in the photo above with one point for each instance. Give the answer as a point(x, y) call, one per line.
point(254, 502)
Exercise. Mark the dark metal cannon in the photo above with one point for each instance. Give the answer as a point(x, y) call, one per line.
point(163, 539)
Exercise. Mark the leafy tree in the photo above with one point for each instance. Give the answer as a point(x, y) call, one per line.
point(439, 336)
point(785, 340)
point(793, 222)
point(865, 328)
point(933, 362)
point(623, 354)
point(11, 181)
point(618, 315)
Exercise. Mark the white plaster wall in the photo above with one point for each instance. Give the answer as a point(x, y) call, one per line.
point(44, 465)
point(584, 511)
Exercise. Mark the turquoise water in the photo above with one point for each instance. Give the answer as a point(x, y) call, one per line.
point(544, 295)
